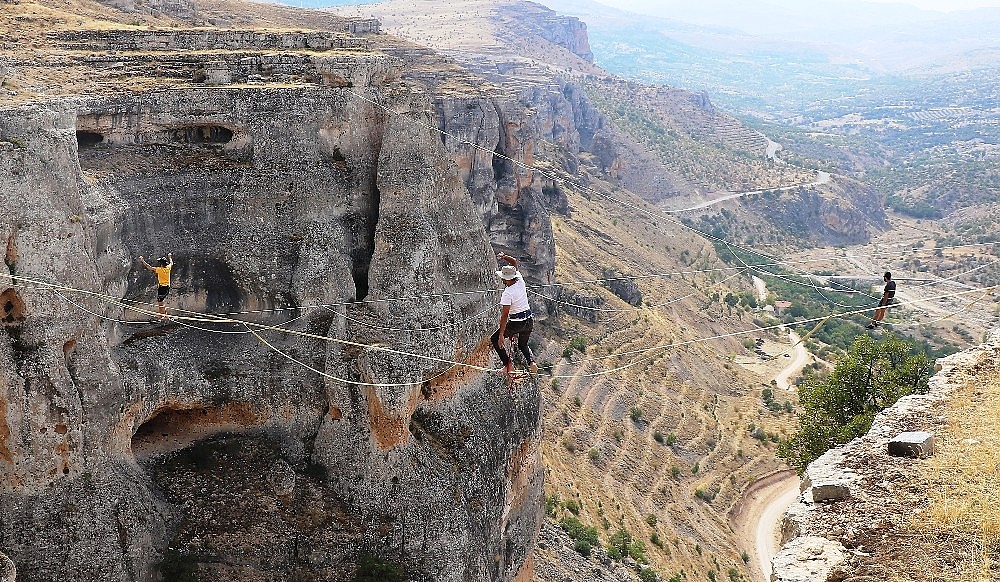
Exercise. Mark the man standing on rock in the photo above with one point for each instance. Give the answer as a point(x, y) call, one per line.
point(515, 315)
point(887, 294)
point(162, 278)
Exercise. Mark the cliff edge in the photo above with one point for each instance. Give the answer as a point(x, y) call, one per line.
point(864, 512)
point(293, 448)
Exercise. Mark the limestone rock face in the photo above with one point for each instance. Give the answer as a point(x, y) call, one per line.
point(238, 452)
point(807, 559)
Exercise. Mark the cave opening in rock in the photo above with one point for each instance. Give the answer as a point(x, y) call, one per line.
point(202, 134)
point(499, 165)
point(364, 247)
point(11, 307)
point(88, 139)
point(176, 426)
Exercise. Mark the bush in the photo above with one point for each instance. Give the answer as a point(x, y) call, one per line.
point(622, 545)
point(654, 538)
point(658, 437)
point(377, 569)
point(576, 401)
point(578, 343)
point(706, 495)
point(648, 575)
point(573, 506)
point(841, 406)
point(636, 414)
point(695, 468)
point(671, 439)
point(584, 537)
point(651, 520)
point(594, 455)
point(675, 471)
point(551, 505)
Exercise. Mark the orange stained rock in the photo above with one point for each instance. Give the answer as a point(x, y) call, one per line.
point(5, 453)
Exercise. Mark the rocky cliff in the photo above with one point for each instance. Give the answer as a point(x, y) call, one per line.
point(853, 517)
point(198, 449)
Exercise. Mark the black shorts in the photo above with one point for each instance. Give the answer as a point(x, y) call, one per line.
point(161, 292)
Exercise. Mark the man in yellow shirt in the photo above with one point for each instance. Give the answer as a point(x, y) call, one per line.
point(162, 278)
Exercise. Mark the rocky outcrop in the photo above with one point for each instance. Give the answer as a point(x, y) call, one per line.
point(823, 532)
point(567, 32)
point(198, 447)
point(184, 9)
point(8, 573)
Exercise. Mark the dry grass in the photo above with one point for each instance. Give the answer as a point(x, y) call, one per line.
point(964, 477)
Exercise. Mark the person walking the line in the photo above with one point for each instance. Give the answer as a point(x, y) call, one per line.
point(515, 315)
point(887, 294)
point(162, 272)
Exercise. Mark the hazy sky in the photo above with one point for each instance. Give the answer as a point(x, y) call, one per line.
point(654, 6)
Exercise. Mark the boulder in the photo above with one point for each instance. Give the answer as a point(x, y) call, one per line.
point(807, 559)
point(8, 573)
point(912, 444)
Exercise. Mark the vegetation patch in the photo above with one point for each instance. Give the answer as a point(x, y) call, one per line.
point(841, 406)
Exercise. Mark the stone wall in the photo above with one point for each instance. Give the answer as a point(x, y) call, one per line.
point(837, 504)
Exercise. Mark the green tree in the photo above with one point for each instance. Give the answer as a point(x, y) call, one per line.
point(841, 406)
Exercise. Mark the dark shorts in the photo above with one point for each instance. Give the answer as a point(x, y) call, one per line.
point(885, 302)
point(161, 292)
point(518, 327)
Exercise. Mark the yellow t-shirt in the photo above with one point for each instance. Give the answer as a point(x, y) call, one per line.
point(163, 276)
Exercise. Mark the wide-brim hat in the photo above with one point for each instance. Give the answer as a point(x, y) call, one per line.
point(508, 273)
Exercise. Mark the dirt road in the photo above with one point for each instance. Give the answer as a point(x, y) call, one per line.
point(800, 357)
point(757, 517)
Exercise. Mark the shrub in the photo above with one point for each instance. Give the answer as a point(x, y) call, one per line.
point(376, 569)
point(584, 536)
point(734, 575)
point(745, 557)
point(551, 505)
point(658, 437)
point(675, 471)
point(547, 366)
point(648, 575)
point(654, 538)
point(576, 401)
point(636, 414)
point(594, 455)
point(578, 343)
point(573, 506)
point(651, 520)
point(711, 575)
point(671, 439)
point(695, 468)
point(622, 545)
point(570, 445)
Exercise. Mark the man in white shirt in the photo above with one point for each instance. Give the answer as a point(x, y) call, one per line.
point(515, 315)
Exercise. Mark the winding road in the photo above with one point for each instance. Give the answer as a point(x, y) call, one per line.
point(821, 178)
point(757, 517)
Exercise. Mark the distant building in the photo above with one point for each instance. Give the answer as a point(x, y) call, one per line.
point(781, 306)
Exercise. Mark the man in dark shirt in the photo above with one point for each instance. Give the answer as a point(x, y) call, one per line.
point(887, 294)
